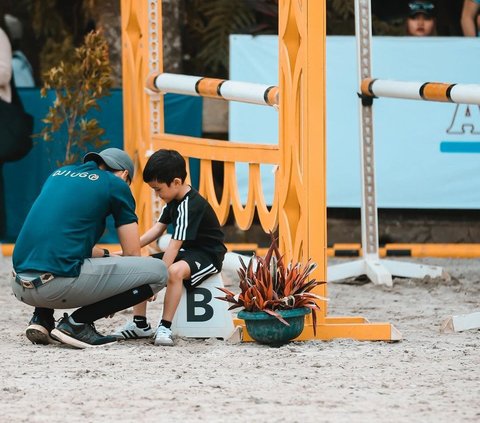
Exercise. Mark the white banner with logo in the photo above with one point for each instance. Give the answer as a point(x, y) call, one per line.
point(427, 154)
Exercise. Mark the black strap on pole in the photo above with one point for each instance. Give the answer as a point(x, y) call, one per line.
point(367, 100)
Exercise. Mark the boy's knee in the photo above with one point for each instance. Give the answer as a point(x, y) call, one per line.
point(177, 272)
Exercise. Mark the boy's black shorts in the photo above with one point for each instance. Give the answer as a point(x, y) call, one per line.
point(201, 266)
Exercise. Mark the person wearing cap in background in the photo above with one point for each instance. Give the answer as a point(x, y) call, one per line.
point(421, 20)
point(57, 265)
point(470, 19)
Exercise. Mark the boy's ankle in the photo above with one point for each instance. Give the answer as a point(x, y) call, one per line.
point(166, 323)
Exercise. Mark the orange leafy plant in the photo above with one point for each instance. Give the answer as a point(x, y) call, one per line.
point(268, 285)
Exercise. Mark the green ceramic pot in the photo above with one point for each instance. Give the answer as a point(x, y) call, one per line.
point(267, 329)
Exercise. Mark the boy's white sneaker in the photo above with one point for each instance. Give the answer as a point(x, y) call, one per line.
point(163, 336)
point(131, 331)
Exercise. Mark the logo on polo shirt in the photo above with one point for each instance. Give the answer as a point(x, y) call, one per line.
point(90, 176)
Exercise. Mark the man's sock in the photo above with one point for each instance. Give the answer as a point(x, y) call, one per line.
point(166, 323)
point(140, 321)
point(46, 313)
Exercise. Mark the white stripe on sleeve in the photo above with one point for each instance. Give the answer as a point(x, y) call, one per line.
point(182, 221)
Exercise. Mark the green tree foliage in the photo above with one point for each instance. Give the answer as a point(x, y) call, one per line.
point(341, 20)
point(209, 24)
point(56, 35)
point(78, 85)
point(51, 29)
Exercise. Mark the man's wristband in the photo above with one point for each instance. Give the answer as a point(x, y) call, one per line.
point(106, 253)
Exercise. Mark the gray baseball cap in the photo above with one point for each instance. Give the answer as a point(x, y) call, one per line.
point(114, 158)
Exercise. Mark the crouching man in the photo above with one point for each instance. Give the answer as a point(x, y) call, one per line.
point(56, 264)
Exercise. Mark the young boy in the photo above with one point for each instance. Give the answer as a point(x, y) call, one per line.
point(196, 250)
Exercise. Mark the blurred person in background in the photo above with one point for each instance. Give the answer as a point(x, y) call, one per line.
point(469, 19)
point(421, 20)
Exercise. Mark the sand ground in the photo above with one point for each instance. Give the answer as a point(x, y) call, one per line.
point(427, 377)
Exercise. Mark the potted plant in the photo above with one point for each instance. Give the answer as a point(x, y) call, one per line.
point(275, 297)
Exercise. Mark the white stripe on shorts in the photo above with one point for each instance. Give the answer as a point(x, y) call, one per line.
point(209, 270)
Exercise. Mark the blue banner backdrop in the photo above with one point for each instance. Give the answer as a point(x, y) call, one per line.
point(426, 153)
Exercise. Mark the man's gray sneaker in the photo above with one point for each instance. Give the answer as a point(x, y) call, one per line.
point(80, 335)
point(163, 336)
point(131, 331)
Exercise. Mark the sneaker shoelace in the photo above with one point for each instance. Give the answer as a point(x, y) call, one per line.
point(163, 330)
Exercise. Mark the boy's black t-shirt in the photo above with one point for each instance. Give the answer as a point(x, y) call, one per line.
point(196, 224)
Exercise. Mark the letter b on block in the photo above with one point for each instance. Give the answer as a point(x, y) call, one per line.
point(198, 307)
point(201, 315)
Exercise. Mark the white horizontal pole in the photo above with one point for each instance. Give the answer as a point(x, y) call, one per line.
point(428, 91)
point(245, 92)
point(466, 94)
point(178, 84)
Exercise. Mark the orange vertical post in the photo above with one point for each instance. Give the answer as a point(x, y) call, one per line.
point(143, 116)
point(302, 220)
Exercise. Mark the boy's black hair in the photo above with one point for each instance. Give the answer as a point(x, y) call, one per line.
point(164, 166)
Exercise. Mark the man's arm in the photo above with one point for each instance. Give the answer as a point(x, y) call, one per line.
point(129, 239)
point(469, 14)
point(152, 234)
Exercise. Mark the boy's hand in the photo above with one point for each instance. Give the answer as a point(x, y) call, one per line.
point(117, 253)
point(152, 298)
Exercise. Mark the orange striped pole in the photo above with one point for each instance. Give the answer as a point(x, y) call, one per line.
point(245, 92)
point(429, 91)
